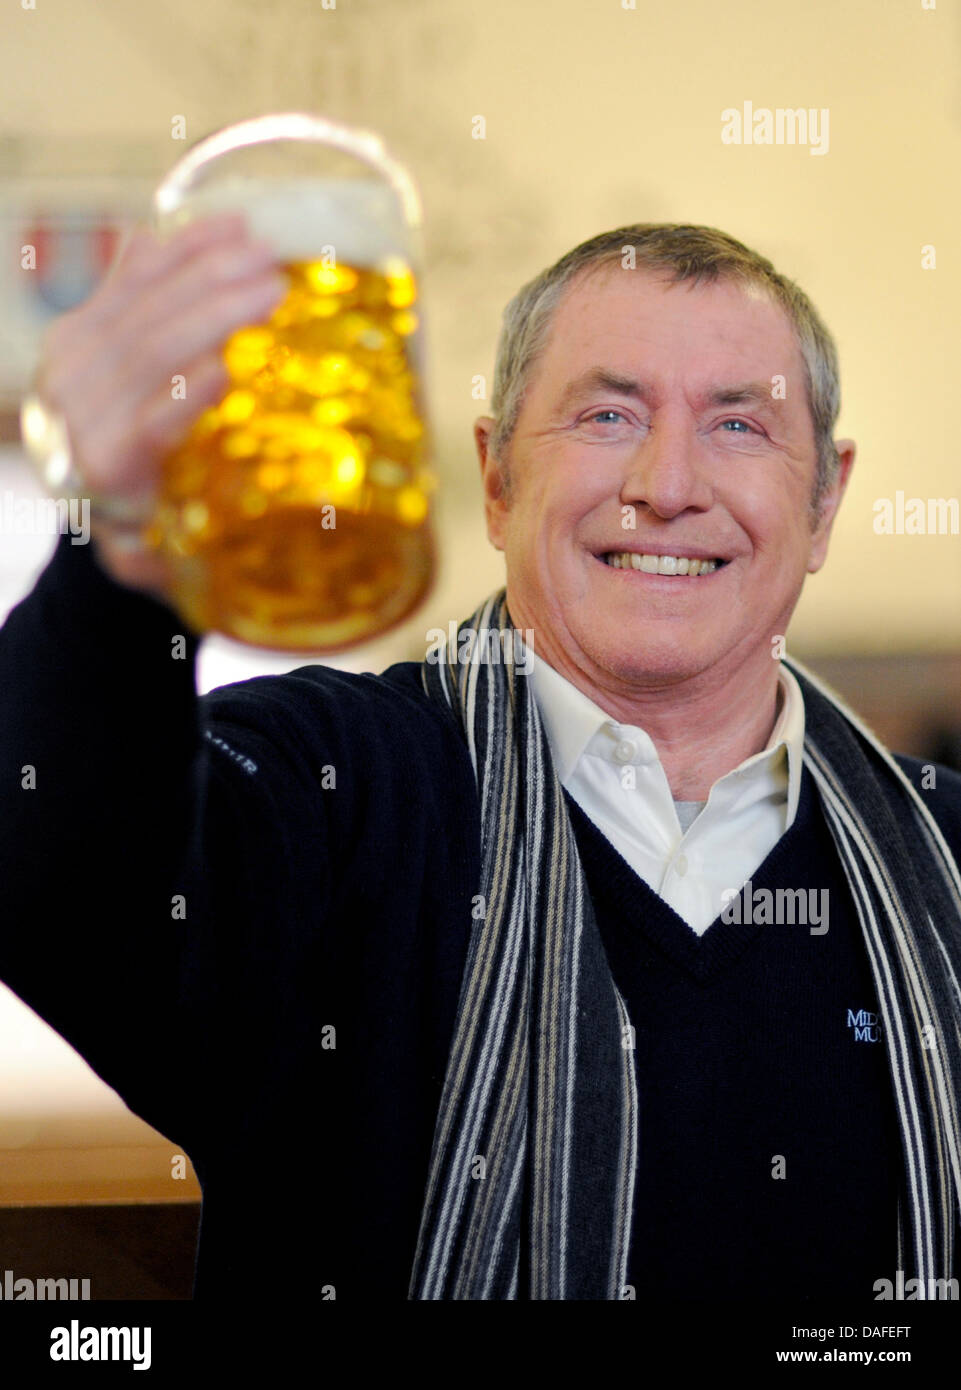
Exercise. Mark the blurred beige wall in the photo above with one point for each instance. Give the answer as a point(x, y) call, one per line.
point(596, 114)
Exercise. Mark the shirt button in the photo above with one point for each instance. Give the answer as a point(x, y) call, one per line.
point(625, 751)
point(680, 864)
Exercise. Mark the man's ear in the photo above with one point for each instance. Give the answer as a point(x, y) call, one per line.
point(493, 478)
point(830, 502)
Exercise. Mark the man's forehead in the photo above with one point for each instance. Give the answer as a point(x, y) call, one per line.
point(725, 362)
point(645, 291)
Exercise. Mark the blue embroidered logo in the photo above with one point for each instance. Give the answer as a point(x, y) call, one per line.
point(865, 1024)
point(247, 764)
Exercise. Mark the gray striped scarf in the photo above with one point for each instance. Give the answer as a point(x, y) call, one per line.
point(531, 1180)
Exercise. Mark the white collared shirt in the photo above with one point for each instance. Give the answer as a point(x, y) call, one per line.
point(614, 774)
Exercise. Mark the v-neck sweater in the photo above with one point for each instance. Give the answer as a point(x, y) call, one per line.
point(250, 913)
point(768, 1146)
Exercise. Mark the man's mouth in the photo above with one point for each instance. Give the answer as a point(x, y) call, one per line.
point(661, 564)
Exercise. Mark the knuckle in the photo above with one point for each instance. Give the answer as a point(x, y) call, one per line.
point(138, 259)
point(262, 296)
point(152, 426)
point(159, 422)
point(234, 262)
point(222, 264)
point(153, 351)
point(143, 243)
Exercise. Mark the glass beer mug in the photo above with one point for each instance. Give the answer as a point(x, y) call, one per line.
point(296, 513)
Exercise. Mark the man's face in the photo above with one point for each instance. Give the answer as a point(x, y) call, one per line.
point(658, 403)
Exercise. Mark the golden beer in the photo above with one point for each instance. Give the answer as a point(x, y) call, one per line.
point(296, 511)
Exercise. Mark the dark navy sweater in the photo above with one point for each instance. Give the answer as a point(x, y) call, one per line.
point(250, 913)
point(767, 1137)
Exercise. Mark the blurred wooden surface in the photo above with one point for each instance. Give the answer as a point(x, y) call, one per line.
point(94, 1174)
point(125, 1251)
point(911, 702)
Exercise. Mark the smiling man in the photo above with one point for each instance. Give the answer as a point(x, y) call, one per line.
point(661, 514)
point(661, 476)
point(481, 1005)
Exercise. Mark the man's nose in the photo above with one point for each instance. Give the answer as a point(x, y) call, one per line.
point(668, 469)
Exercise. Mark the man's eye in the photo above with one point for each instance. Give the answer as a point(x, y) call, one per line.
point(744, 423)
point(599, 414)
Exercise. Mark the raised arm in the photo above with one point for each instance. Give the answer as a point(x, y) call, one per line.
point(109, 859)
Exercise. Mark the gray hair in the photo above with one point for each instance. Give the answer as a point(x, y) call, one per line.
point(698, 254)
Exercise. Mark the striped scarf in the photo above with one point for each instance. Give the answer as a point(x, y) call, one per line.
point(530, 1187)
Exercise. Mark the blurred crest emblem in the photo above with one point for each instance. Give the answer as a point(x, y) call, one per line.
point(74, 251)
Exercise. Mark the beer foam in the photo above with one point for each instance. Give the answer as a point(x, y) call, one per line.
point(360, 218)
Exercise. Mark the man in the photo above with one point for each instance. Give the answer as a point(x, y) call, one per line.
point(497, 1015)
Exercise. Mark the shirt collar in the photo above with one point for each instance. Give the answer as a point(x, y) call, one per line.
point(571, 720)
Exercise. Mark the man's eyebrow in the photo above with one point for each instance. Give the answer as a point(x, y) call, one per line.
point(757, 393)
point(750, 393)
point(601, 378)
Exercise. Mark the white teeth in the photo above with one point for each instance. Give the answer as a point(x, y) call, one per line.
point(660, 564)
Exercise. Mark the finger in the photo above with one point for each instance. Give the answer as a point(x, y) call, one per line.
point(147, 257)
point(188, 290)
point(146, 251)
point(164, 423)
point(65, 353)
point(123, 361)
point(116, 395)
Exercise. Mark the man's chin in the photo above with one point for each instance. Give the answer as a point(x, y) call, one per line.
point(649, 660)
